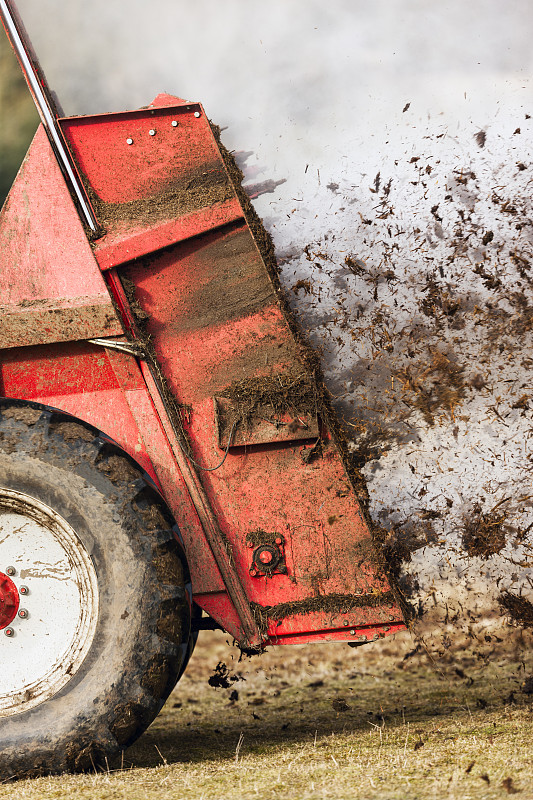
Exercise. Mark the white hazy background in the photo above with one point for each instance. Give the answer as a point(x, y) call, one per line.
point(324, 104)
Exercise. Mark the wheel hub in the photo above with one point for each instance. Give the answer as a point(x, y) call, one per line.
point(9, 600)
point(43, 645)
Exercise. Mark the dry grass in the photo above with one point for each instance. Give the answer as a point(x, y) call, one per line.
point(326, 721)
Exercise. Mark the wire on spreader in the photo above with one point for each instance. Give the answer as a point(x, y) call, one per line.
point(210, 469)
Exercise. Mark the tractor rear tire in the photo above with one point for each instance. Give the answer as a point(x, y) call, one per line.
point(94, 596)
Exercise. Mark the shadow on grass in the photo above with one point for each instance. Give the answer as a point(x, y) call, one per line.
point(414, 700)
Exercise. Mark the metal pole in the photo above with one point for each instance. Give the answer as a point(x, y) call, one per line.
point(46, 114)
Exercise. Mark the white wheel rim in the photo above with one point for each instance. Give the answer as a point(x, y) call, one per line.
point(44, 647)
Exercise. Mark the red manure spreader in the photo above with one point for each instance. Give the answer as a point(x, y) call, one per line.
point(169, 459)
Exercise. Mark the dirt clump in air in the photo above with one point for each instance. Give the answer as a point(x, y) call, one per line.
point(355, 265)
point(301, 284)
point(519, 608)
point(434, 386)
point(222, 677)
point(403, 540)
point(484, 535)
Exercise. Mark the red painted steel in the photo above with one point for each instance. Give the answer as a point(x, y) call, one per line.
point(51, 289)
point(176, 236)
point(161, 149)
point(9, 600)
point(358, 636)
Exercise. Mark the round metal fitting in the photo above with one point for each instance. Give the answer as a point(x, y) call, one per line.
point(23, 614)
point(9, 632)
point(345, 623)
point(151, 132)
point(129, 141)
point(352, 632)
point(174, 123)
point(266, 557)
point(197, 114)
point(11, 571)
point(9, 600)
point(24, 590)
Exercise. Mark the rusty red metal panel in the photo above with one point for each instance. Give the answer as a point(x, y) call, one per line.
point(328, 548)
point(172, 185)
point(126, 242)
point(68, 319)
point(360, 635)
point(267, 426)
point(219, 607)
point(51, 289)
point(67, 369)
point(159, 153)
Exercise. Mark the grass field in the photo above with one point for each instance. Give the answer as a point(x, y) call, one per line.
point(326, 721)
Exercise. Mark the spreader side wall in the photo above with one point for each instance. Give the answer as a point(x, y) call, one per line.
point(224, 407)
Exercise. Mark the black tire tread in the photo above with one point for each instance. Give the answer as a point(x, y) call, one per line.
point(59, 436)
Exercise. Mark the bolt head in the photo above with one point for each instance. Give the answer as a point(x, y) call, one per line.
point(174, 123)
point(23, 614)
point(129, 141)
point(352, 632)
point(265, 557)
point(278, 540)
point(197, 114)
point(151, 132)
point(24, 590)
point(9, 632)
point(345, 622)
point(253, 572)
point(11, 571)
